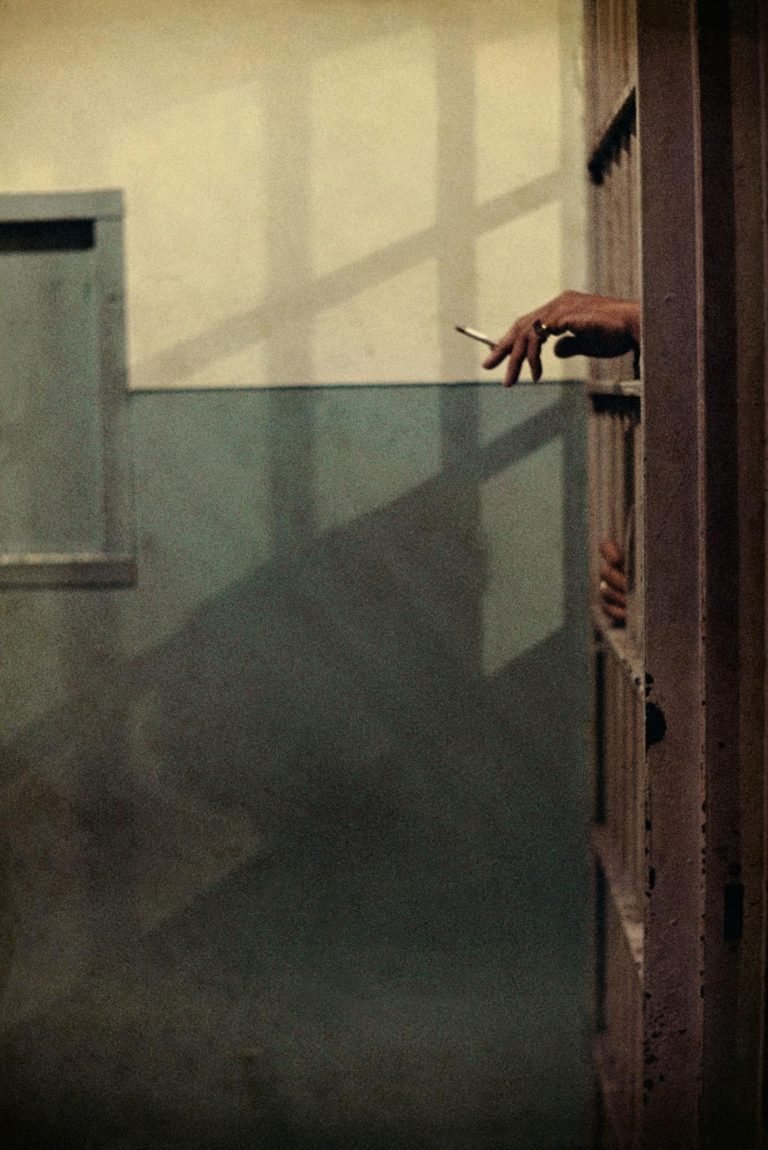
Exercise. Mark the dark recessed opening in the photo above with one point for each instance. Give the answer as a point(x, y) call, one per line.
point(46, 235)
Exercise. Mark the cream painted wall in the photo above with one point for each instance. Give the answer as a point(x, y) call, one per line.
point(316, 190)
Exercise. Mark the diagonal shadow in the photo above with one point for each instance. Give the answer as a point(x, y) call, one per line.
point(169, 368)
point(328, 715)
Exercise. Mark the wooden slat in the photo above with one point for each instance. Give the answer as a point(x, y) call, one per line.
point(673, 951)
point(623, 649)
point(611, 140)
point(622, 894)
point(630, 388)
point(619, 841)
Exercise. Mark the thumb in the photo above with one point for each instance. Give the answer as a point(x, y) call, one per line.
point(569, 345)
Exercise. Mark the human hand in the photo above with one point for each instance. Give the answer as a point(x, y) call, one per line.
point(613, 582)
point(598, 326)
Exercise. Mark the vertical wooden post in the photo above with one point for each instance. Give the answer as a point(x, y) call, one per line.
point(673, 1005)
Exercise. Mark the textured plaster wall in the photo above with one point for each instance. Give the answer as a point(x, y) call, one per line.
point(292, 835)
point(292, 856)
point(317, 189)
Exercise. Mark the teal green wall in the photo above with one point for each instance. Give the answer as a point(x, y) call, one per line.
point(294, 832)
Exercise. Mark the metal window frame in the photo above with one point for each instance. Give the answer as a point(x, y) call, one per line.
point(116, 564)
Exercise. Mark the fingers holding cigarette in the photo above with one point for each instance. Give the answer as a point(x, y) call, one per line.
point(526, 346)
point(591, 325)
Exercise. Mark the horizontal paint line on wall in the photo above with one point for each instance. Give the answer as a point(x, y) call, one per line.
point(485, 383)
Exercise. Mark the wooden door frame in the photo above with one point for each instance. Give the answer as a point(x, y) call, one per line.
point(701, 1058)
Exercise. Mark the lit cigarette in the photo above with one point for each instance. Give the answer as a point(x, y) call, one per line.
point(478, 335)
